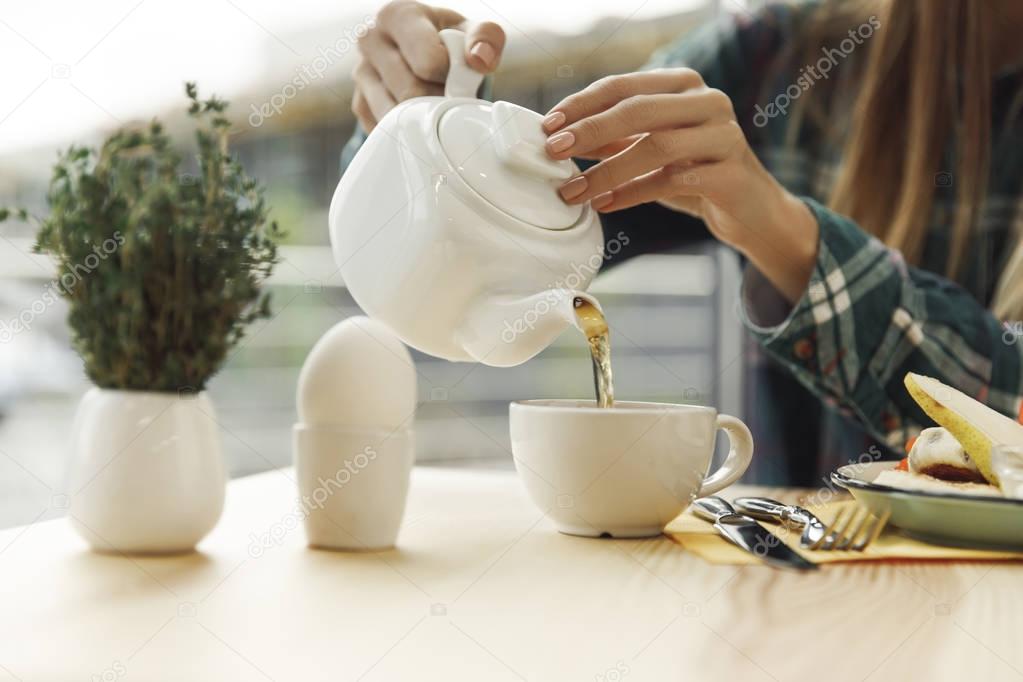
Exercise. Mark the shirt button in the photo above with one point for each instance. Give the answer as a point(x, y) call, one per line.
point(803, 349)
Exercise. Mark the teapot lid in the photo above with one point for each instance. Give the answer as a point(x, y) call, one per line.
point(498, 150)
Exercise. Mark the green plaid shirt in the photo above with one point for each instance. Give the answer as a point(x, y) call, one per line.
point(868, 318)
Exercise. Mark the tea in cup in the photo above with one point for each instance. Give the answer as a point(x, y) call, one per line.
point(622, 471)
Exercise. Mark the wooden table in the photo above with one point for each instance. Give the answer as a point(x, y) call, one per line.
point(482, 588)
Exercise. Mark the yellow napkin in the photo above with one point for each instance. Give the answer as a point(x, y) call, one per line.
point(701, 538)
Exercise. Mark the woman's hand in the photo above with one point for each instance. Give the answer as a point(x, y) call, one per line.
point(665, 136)
point(402, 56)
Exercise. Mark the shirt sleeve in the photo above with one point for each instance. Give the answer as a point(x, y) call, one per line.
point(866, 319)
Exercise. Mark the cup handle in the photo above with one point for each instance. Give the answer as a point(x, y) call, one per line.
point(740, 452)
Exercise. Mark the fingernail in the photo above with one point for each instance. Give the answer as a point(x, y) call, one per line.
point(561, 141)
point(485, 52)
point(602, 200)
point(553, 121)
point(573, 188)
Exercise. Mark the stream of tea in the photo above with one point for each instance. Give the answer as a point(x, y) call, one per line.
point(594, 326)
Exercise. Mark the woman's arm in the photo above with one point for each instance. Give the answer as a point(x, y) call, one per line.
point(736, 54)
point(866, 319)
point(850, 319)
point(665, 136)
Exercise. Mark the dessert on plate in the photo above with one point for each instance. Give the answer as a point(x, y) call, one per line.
point(954, 457)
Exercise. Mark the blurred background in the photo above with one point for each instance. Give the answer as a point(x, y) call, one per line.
point(77, 71)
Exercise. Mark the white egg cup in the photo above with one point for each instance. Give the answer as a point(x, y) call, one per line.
point(353, 484)
point(353, 453)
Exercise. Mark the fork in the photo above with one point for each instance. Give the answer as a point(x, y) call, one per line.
point(852, 529)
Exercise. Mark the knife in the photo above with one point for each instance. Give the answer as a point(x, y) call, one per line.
point(766, 509)
point(748, 534)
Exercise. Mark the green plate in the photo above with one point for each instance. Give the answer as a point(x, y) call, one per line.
point(937, 518)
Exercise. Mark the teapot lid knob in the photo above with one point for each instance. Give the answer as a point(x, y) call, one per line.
point(462, 80)
point(519, 140)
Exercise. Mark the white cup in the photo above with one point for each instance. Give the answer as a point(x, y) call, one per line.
point(353, 484)
point(624, 471)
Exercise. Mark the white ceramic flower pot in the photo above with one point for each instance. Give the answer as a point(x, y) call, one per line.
point(353, 484)
point(147, 473)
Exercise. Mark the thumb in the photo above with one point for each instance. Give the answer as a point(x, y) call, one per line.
point(484, 43)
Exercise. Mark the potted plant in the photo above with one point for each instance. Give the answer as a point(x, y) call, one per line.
point(162, 272)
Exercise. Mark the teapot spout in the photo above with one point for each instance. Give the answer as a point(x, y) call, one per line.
point(507, 330)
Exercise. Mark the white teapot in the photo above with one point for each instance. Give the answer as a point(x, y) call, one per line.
point(447, 226)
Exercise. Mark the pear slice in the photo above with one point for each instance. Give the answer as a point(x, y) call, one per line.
point(975, 425)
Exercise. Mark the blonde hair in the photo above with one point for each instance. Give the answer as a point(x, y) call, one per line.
point(927, 79)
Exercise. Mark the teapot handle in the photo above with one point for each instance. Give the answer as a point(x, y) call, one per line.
point(463, 80)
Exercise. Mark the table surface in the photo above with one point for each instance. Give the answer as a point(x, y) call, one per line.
point(481, 587)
